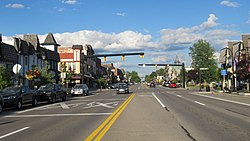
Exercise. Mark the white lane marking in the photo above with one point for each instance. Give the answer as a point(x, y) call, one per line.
point(199, 103)
point(236, 102)
point(99, 104)
point(146, 95)
point(64, 105)
point(58, 115)
point(32, 109)
point(14, 132)
point(162, 105)
point(179, 96)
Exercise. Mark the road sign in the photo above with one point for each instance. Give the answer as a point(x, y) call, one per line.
point(16, 68)
point(223, 72)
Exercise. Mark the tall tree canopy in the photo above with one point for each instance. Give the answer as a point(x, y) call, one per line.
point(134, 77)
point(202, 54)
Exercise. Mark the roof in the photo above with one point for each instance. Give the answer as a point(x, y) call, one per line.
point(33, 39)
point(80, 47)
point(50, 40)
point(8, 53)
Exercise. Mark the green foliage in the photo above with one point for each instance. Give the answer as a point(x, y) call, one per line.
point(102, 82)
point(46, 75)
point(161, 72)
point(134, 77)
point(5, 77)
point(202, 57)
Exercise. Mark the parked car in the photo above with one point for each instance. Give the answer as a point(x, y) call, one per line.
point(172, 85)
point(122, 88)
point(152, 84)
point(80, 89)
point(166, 84)
point(1, 103)
point(19, 95)
point(51, 92)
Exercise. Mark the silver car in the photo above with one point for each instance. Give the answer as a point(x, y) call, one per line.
point(80, 89)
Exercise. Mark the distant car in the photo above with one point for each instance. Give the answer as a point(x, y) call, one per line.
point(122, 88)
point(172, 85)
point(152, 84)
point(166, 84)
point(51, 92)
point(1, 103)
point(19, 95)
point(80, 89)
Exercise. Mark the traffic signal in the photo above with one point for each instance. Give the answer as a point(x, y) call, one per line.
point(142, 56)
point(123, 57)
point(105, 58)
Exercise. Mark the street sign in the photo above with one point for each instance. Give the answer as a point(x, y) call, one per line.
point(16, 68)
point(223, 72)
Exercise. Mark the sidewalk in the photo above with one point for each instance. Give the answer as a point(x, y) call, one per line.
point(145, 120)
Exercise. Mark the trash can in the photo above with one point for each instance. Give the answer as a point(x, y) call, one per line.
point(207, 88)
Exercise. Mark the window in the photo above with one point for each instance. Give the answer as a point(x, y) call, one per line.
point(26, 61)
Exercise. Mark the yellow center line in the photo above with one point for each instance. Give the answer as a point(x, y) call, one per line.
point(103, 132)
point(123, 106)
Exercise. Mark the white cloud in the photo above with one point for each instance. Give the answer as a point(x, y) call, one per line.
point(15, 5)
point(124, 41)
point(183, 38)
point(120, 14)
point(69, 1)
point(60, 10)
point(230, 4)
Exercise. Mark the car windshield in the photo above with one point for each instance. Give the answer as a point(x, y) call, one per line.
point(12, 89)
point(46, 87)
point(123, 85)
point(79, 86)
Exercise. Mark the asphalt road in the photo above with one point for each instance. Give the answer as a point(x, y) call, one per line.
point(145, 114)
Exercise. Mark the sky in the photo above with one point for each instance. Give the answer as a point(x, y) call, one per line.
point(162, 29)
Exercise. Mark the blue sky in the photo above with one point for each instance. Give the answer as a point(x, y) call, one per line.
point(160, 28)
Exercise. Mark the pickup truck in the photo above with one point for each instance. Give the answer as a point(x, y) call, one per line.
point(51, 92)
point(19, 95)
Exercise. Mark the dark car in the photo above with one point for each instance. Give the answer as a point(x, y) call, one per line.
point(122, 88)
point(1, 103)
point(152, 84)
point(19, 95)
point(51, 92)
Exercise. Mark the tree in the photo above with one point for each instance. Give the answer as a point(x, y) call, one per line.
point(102, 82)
point(134, 77)
point(161, 72)
point(5, 77)
point(202, 57)
point(46, 75)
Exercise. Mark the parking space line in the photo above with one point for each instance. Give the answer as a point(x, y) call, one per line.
point(236, 102)
point(32, 109)
point(14, 132)
point(178, 95)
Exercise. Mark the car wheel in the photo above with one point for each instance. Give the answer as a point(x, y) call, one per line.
point(19, 104)
point(35, 102)
point(53, 99)
point(87, 92)
point(1, 108)
point(64, 97)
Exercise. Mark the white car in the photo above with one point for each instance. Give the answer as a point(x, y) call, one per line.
point(80, 89)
